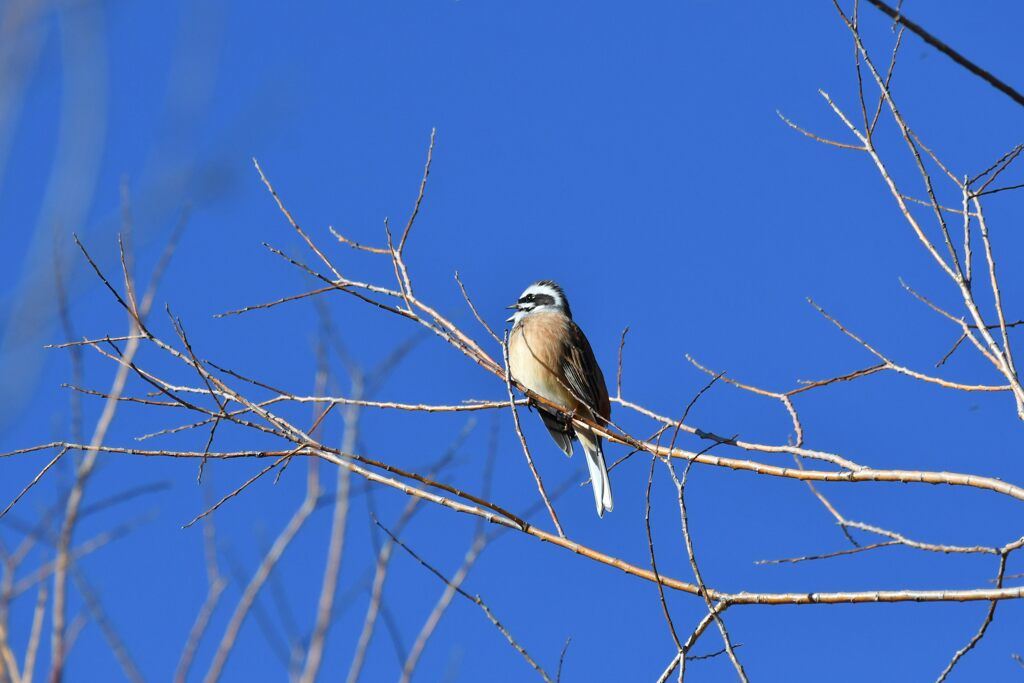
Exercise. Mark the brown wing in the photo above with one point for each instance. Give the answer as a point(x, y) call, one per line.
point(583, 374)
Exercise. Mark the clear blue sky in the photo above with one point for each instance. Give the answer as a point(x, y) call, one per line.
point(632, 153)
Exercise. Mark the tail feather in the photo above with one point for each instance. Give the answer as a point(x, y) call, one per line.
point(560, 431)
point(599, 481)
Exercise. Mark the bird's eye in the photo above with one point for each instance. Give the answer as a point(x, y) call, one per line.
point(530, 297)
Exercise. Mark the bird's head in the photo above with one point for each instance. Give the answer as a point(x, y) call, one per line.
point(543, 295)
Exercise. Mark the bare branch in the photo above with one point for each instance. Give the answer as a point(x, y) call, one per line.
point(818, 138)
point(291, 221)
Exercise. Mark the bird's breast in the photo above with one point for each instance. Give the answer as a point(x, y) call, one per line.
point(536, 355)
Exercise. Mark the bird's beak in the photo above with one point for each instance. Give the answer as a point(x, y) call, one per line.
point(513, 307)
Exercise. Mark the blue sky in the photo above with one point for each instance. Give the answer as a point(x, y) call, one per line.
point(633, 154)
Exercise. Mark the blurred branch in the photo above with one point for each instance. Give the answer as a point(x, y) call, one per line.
point(99, 615)
point(383, 563)
point(32, 649)
point(480, 541)
point(216, 584)
point(450, 590)
point(897, 16)
point(88, 462)
point(267, 565)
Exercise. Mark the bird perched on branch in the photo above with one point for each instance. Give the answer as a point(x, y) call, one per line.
point(549, 355)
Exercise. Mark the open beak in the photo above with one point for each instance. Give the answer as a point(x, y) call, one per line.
point(513, 307)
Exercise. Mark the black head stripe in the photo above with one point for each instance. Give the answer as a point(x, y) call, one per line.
point(549, 300)
point(553, 285)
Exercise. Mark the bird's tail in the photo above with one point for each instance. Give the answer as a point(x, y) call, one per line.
point(598, 472)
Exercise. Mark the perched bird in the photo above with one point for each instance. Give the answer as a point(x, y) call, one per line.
point(549, 355)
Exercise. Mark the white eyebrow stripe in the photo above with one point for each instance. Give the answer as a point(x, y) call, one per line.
point(544, 289)
point(551, 298)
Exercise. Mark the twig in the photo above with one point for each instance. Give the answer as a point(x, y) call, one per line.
point(561, 660)
point(840, 519)
point(35, 480)
point(419, 195)
point(522, 439)
point(476, 314)
point(291, 221)
point(356, 245)
point(654, 562)
point(213, 508)
point(825, 556)
point(702, 589)
point(933, 547)
point(472, 598)
point(442, 604)
point(816, 137)
point(981, 630)
point(907, 371)
point(618, 373)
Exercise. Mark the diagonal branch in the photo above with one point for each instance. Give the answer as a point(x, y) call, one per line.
point(897, 16)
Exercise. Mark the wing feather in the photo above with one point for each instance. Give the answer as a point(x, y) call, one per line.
point(582, 373)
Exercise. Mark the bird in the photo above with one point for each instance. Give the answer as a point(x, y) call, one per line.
point(549, 355)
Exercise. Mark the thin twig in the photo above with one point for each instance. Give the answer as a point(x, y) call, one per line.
point(451, 588)
point(472, 598)
point(701, 588)
point(654, 561)
point(291, 221)
point(419, 195)
point(476, 314)
point(618, 373)
point(522, 439)
point(981, 630)
point(825, 556)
